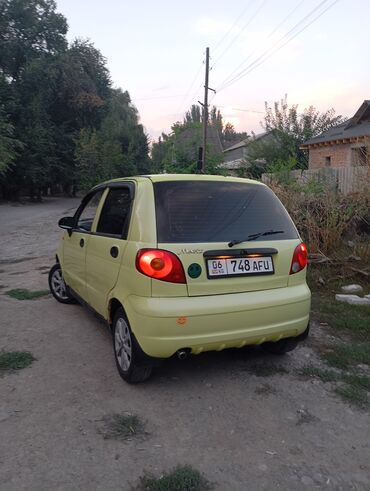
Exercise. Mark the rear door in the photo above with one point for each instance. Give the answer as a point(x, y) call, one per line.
point(107, 244)
point(230, 236)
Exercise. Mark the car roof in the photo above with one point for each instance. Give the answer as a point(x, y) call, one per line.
point(181, 177)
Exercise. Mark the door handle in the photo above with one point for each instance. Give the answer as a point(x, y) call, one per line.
point(82, 243)
point(114, 251)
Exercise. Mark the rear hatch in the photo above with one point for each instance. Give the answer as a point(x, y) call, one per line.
point(231, 236)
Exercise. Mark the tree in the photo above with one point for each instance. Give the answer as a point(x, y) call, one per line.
point(9, 146)
point(289, 129)
point(62, 126)
point(29, 29)
point(194, 115)
point(178, 151)
point(230, 136)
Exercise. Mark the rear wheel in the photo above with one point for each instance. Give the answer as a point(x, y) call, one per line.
point(281, 347)
point(58, 287)
point(127, 352)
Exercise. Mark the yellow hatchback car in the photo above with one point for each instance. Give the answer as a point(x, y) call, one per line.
point(182, 264)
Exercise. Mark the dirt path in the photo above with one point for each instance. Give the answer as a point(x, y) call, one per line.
point(247, 420)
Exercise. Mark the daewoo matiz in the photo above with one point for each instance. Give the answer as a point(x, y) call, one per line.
point(182, 264)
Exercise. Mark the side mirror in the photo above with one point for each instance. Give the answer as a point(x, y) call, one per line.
point(68, 223)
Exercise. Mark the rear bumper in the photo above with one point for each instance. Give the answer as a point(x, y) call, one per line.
point(164, 325)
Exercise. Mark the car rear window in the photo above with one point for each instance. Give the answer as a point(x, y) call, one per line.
point(214, 211)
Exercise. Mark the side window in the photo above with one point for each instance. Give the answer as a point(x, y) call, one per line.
point(115, 213)
point(87, 215)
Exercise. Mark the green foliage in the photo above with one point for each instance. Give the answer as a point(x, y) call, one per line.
point(9, 146)
point(178, 152)
point(183, 478)
point(353, 394)
point(62, 125)
point(322, 217)
point(289, 129)
point(23, 294)
point(29, 29)
point(229, 136)
point(15, 360)
point(324, 375)
point(344, 356)
point(122, 426)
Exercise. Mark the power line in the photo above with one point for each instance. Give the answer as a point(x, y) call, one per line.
point(149, 98)
point(232, 27)
point(239, 33)
point(242, 110)
point(230, 78)
point(186, 96)
point(269, 52)
point(269, 35)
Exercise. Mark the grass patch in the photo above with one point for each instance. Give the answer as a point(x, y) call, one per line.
point(353, 394)
point(324, 375)
point(265, 370)
point(122, 426)
point(353, 319)
point(360, 381)
point(183, 478)
point(354, 388)
point(23, 294)
point(347, 355)
point(15, 360)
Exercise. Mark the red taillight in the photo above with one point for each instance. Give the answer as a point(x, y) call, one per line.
point(300, 258)
point(161, 265)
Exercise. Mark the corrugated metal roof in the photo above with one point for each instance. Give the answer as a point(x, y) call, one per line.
point(246, 141)
point(358, 125)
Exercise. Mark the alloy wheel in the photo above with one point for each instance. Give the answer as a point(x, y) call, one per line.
point(123, 344)
point(58, 285)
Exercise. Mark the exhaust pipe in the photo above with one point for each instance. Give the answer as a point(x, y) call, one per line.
point(182, 354)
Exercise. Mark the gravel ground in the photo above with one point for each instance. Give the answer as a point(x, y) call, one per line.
point(247, 420)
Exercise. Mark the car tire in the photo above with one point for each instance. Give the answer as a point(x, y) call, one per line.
point(281, 347)
point(127, 352)
point(57, 286)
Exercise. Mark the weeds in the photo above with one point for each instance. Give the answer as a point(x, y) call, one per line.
point(122, 427)
point(353, 319)
point(322, 215)
point(346, 355)
point(324, 375)
point(183, 478)
point(353, 394)
point(353, 388)
point(15, 360)
point(23, 294)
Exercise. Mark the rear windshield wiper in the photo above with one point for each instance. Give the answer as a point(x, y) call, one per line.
point(255, 236)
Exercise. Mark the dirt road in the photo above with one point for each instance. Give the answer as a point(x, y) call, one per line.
point(247, 420)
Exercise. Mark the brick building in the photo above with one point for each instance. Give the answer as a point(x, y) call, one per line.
point(346, 145)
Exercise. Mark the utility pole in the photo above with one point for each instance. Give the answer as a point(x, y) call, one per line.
point(205, 113)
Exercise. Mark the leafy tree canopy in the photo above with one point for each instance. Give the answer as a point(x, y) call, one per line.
point(62, 125)
point(289, 130)
point(29, 29)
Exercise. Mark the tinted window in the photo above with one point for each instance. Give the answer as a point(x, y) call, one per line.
point(87, 214)
point(115, 213)
point(209, 211)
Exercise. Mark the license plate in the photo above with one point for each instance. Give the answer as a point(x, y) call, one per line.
point(241, 266)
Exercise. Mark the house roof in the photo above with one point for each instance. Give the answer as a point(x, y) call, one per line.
point(358, 125)
point(246, 141)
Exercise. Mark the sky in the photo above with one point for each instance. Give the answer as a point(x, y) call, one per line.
point(156, 51)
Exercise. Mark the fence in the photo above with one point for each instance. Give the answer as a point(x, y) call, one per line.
point(343, 179)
